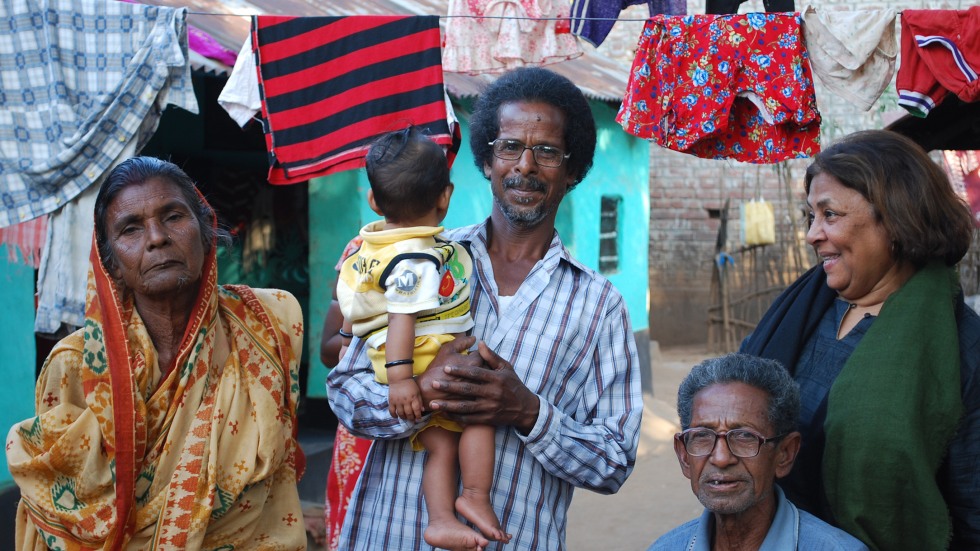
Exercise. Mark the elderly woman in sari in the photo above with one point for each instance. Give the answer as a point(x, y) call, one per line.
point(168, 421)
point(885, 350)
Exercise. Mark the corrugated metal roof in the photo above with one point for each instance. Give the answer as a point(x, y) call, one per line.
point(598, 76)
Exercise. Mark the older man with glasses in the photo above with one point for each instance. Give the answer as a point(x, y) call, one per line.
point(738, 414)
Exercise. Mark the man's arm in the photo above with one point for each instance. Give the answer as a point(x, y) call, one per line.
point(597, 452)
point(361, 403)
point(331, 341)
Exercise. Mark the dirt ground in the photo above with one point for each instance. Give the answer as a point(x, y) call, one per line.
point(656, 497)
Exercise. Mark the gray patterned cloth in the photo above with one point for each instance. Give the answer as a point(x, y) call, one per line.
point(79, 80)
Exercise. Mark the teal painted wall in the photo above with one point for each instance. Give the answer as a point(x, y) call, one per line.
point(622, 169)
point(17, 347)
point(338, 209)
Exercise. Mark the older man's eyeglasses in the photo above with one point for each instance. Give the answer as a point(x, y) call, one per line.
point(700, 441)
point(544, 155)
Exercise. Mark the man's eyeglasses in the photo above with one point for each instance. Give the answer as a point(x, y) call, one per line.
point(700, 441)
point(544, 155)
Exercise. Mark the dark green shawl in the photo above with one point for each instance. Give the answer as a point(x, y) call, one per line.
point(891, 415)
point(891, 412)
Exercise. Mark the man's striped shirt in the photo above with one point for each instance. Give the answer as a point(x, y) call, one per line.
point(567, 333)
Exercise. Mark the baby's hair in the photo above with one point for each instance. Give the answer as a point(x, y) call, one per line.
point(407, 172)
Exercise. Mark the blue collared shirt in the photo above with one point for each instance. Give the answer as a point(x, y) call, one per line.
point(567, 334)
point(790, 529)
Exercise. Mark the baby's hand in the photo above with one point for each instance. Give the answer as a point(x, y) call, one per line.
point(405, 400)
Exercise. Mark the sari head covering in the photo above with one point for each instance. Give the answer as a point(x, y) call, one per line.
point(121, 456)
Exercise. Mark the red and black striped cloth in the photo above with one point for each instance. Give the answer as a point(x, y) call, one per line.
point(331, 85)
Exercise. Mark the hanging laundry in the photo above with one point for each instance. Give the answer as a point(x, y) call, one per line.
point(455, 130)
point(331, 85)
point(203, 43)
point(493, 36)
point(81, 79)
point(27, 239)
point(852, 52)
point(592, 20)
point(940, 54)
point(240, 97)
point(963, 168)
point(64, 264)
point(758, 223)
point(727, 7)
point(724, 87)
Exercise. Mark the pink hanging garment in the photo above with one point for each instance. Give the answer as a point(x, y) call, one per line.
point(26, 238)
point(493, 36)
point(963, 169)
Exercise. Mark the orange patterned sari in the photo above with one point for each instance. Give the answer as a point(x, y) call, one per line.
point(120, 457)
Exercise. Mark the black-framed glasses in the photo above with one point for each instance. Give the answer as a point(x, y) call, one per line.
point(700, 441)
point(544, 155)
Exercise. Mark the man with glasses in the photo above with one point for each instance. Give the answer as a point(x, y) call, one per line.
point(738, 414)
point(556, 370)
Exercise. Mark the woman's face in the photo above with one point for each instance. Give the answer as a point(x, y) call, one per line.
point(155, 238)
point(855, 248)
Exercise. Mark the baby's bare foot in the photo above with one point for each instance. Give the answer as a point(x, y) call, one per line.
point(476, 508)
point(454, 535)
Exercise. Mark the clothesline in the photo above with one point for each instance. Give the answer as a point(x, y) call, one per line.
point(641, 19)
point(521, 18)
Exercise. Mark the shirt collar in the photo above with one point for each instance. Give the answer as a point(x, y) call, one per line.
point(785, 530)
point(477, 236)
point(784, 533)
point(701, 540)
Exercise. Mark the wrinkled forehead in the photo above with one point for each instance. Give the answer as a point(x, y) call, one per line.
point(157, 189)
point(731, 405)
point(540, 115)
